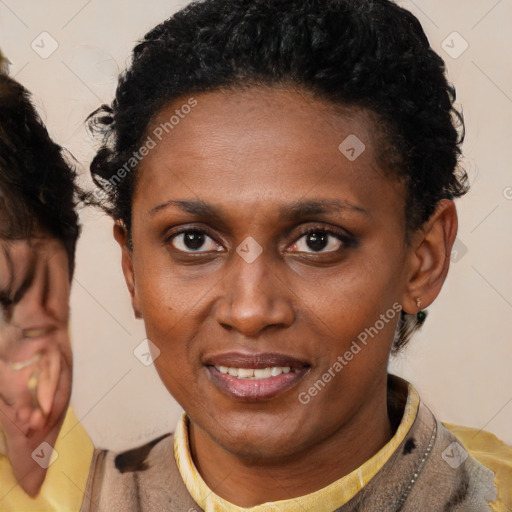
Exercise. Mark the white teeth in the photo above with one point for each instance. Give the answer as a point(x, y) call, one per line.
point(263, 373)
point(254, 373)
point(275, 371)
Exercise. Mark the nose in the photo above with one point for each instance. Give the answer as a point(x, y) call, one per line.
point(254, 298)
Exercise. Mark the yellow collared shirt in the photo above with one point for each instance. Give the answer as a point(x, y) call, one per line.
point(324, 500)
point(483, 446)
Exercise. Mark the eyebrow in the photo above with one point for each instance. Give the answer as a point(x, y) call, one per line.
point(293, 211)
point(305, 208)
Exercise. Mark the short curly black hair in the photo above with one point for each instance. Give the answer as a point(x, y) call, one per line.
point(368, 54)
point(37, 184)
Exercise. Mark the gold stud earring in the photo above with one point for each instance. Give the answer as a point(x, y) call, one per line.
point(418, 303)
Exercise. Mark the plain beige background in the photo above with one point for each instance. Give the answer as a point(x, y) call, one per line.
point(461, 362)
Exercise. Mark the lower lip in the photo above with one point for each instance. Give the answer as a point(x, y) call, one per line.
point(255, 390)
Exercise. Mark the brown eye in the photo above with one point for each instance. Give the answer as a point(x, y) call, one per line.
point(318, 241)
point(194, 241)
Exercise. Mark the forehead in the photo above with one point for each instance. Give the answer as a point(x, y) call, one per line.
point(260, 143)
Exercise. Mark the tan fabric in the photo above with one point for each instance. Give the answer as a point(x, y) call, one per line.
point(144, 479)
point(428, 472)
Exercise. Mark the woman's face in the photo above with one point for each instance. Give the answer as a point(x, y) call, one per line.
point(35, 352)
point(268, 244)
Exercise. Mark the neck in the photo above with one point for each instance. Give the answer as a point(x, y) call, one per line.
point(248, 484)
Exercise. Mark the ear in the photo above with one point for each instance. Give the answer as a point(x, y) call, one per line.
point(121, 236)
point(429, 258)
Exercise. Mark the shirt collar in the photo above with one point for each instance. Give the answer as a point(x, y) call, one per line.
point(326, 499)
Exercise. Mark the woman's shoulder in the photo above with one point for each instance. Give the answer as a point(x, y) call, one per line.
point(137, 479)
point(492, 453)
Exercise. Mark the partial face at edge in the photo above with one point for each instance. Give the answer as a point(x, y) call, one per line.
point(35, 351)
point(266, 164)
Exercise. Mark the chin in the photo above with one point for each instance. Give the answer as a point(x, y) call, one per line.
point(263, 440)
point(260, 450)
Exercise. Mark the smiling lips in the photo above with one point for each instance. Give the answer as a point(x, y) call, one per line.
point(255, 377)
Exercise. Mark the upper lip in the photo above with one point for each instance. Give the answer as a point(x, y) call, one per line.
point(255, 360)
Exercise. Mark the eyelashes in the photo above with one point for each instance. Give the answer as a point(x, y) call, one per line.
point(339, 240)
point(200, 241)
point(193, 237)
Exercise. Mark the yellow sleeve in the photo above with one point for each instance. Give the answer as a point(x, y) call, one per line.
point(493, 453)
point(66, 479)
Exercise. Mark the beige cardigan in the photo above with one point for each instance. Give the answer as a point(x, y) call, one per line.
point(422, 475)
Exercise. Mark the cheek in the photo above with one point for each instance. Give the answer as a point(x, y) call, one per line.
point(58, 301)
point(349, 300)
point(160, 284)
point(156, 289)
point(59, 288)
point(168, 306)
point(354, 316)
